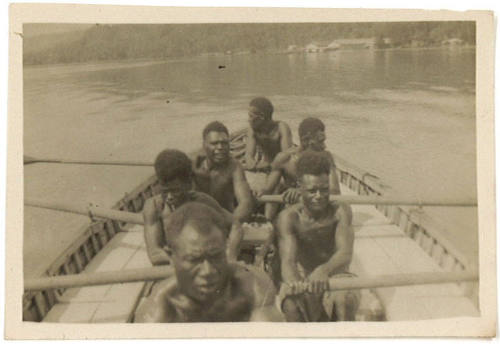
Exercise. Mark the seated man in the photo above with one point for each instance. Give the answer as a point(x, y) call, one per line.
point(312, 138)
point(205, 287)
point(265, 137)
point(315, 241)
point(219, 175)
point(174, 171)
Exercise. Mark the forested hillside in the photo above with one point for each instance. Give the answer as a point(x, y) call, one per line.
point(127, 41)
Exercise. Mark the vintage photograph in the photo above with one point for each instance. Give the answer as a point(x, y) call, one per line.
point(305, 172)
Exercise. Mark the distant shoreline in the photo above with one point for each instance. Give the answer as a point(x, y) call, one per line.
point(140, 61)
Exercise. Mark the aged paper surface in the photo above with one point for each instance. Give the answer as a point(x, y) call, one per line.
point(483, 326)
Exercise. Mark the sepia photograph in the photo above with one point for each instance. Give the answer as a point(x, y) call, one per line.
point(235, 171)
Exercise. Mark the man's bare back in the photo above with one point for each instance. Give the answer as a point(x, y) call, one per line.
point(270, 142)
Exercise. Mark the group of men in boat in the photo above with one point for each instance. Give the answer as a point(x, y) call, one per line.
point(195, 224)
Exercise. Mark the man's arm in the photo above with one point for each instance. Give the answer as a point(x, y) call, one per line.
point(153, 234)
point(251, 147)
point(344, 241)
point(242, 211)
point(286, 136)
point(243, 195)
point(287, 244)
point(264, 305)
point(334, 180)
point(274, 177)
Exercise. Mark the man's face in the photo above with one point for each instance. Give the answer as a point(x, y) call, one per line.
point(317, 141)
point(200, 262)
point(175, 192)
point(256, 117)
point(315, 191)
point(216, 145)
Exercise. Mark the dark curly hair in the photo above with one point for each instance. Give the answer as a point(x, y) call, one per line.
point(309, 127)
point(313, 163)
point(264, 105)
point(171, 164)
point(216, 126)
point(201, 216)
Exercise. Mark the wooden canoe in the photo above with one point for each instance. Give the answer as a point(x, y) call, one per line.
point(389, 240)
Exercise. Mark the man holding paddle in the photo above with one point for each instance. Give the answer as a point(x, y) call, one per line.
point(175, 175)
point(205, 286)
point(315, 241)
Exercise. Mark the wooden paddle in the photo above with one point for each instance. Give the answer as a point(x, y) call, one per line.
point(161, 272)
point(31, 160)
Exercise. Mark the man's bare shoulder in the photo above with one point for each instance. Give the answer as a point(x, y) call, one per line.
point(197, 157)
point(156, 306)
point(255, 283)
point(289, 214)
point(234, 165)
point(151, 205)
point(283, 126)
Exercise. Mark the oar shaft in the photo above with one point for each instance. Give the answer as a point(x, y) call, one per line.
point(100, 278)
point(93, 210)
point(355, 199)
point(157, 273)
point(87, 162)
point(384, 281)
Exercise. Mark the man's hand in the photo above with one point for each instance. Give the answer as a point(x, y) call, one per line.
point(318, 280)
point(291, 196)
point(159, 257)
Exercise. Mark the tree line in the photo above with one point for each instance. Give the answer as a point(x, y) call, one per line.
point(160, 41)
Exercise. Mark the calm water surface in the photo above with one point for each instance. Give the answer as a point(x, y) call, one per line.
point(407, 116)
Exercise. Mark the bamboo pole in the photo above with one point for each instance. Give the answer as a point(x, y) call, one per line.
point(161, 272)
point(99, 278)
point(374, 200)
point(32, 160)
point(88, 210)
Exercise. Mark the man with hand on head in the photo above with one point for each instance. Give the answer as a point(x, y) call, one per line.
point(205, 287)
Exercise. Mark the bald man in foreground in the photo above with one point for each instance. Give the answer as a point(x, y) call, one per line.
point(205, 287)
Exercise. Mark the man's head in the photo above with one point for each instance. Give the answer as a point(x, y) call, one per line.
point(260, 111)
point(313, 169)
point(197, 241)
point(174, 171)
point(216, 142)
point(312, 134)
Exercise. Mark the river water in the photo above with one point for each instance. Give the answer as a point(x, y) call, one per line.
point(407, 116)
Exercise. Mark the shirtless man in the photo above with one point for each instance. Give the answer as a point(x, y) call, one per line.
point(222, 177)
point(205, 287)
point(312, 138)
point(174, 171)
point(315, 240)
point(265, 136)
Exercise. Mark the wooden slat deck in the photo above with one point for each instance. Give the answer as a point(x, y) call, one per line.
point(383, 248)
point(107, 303)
